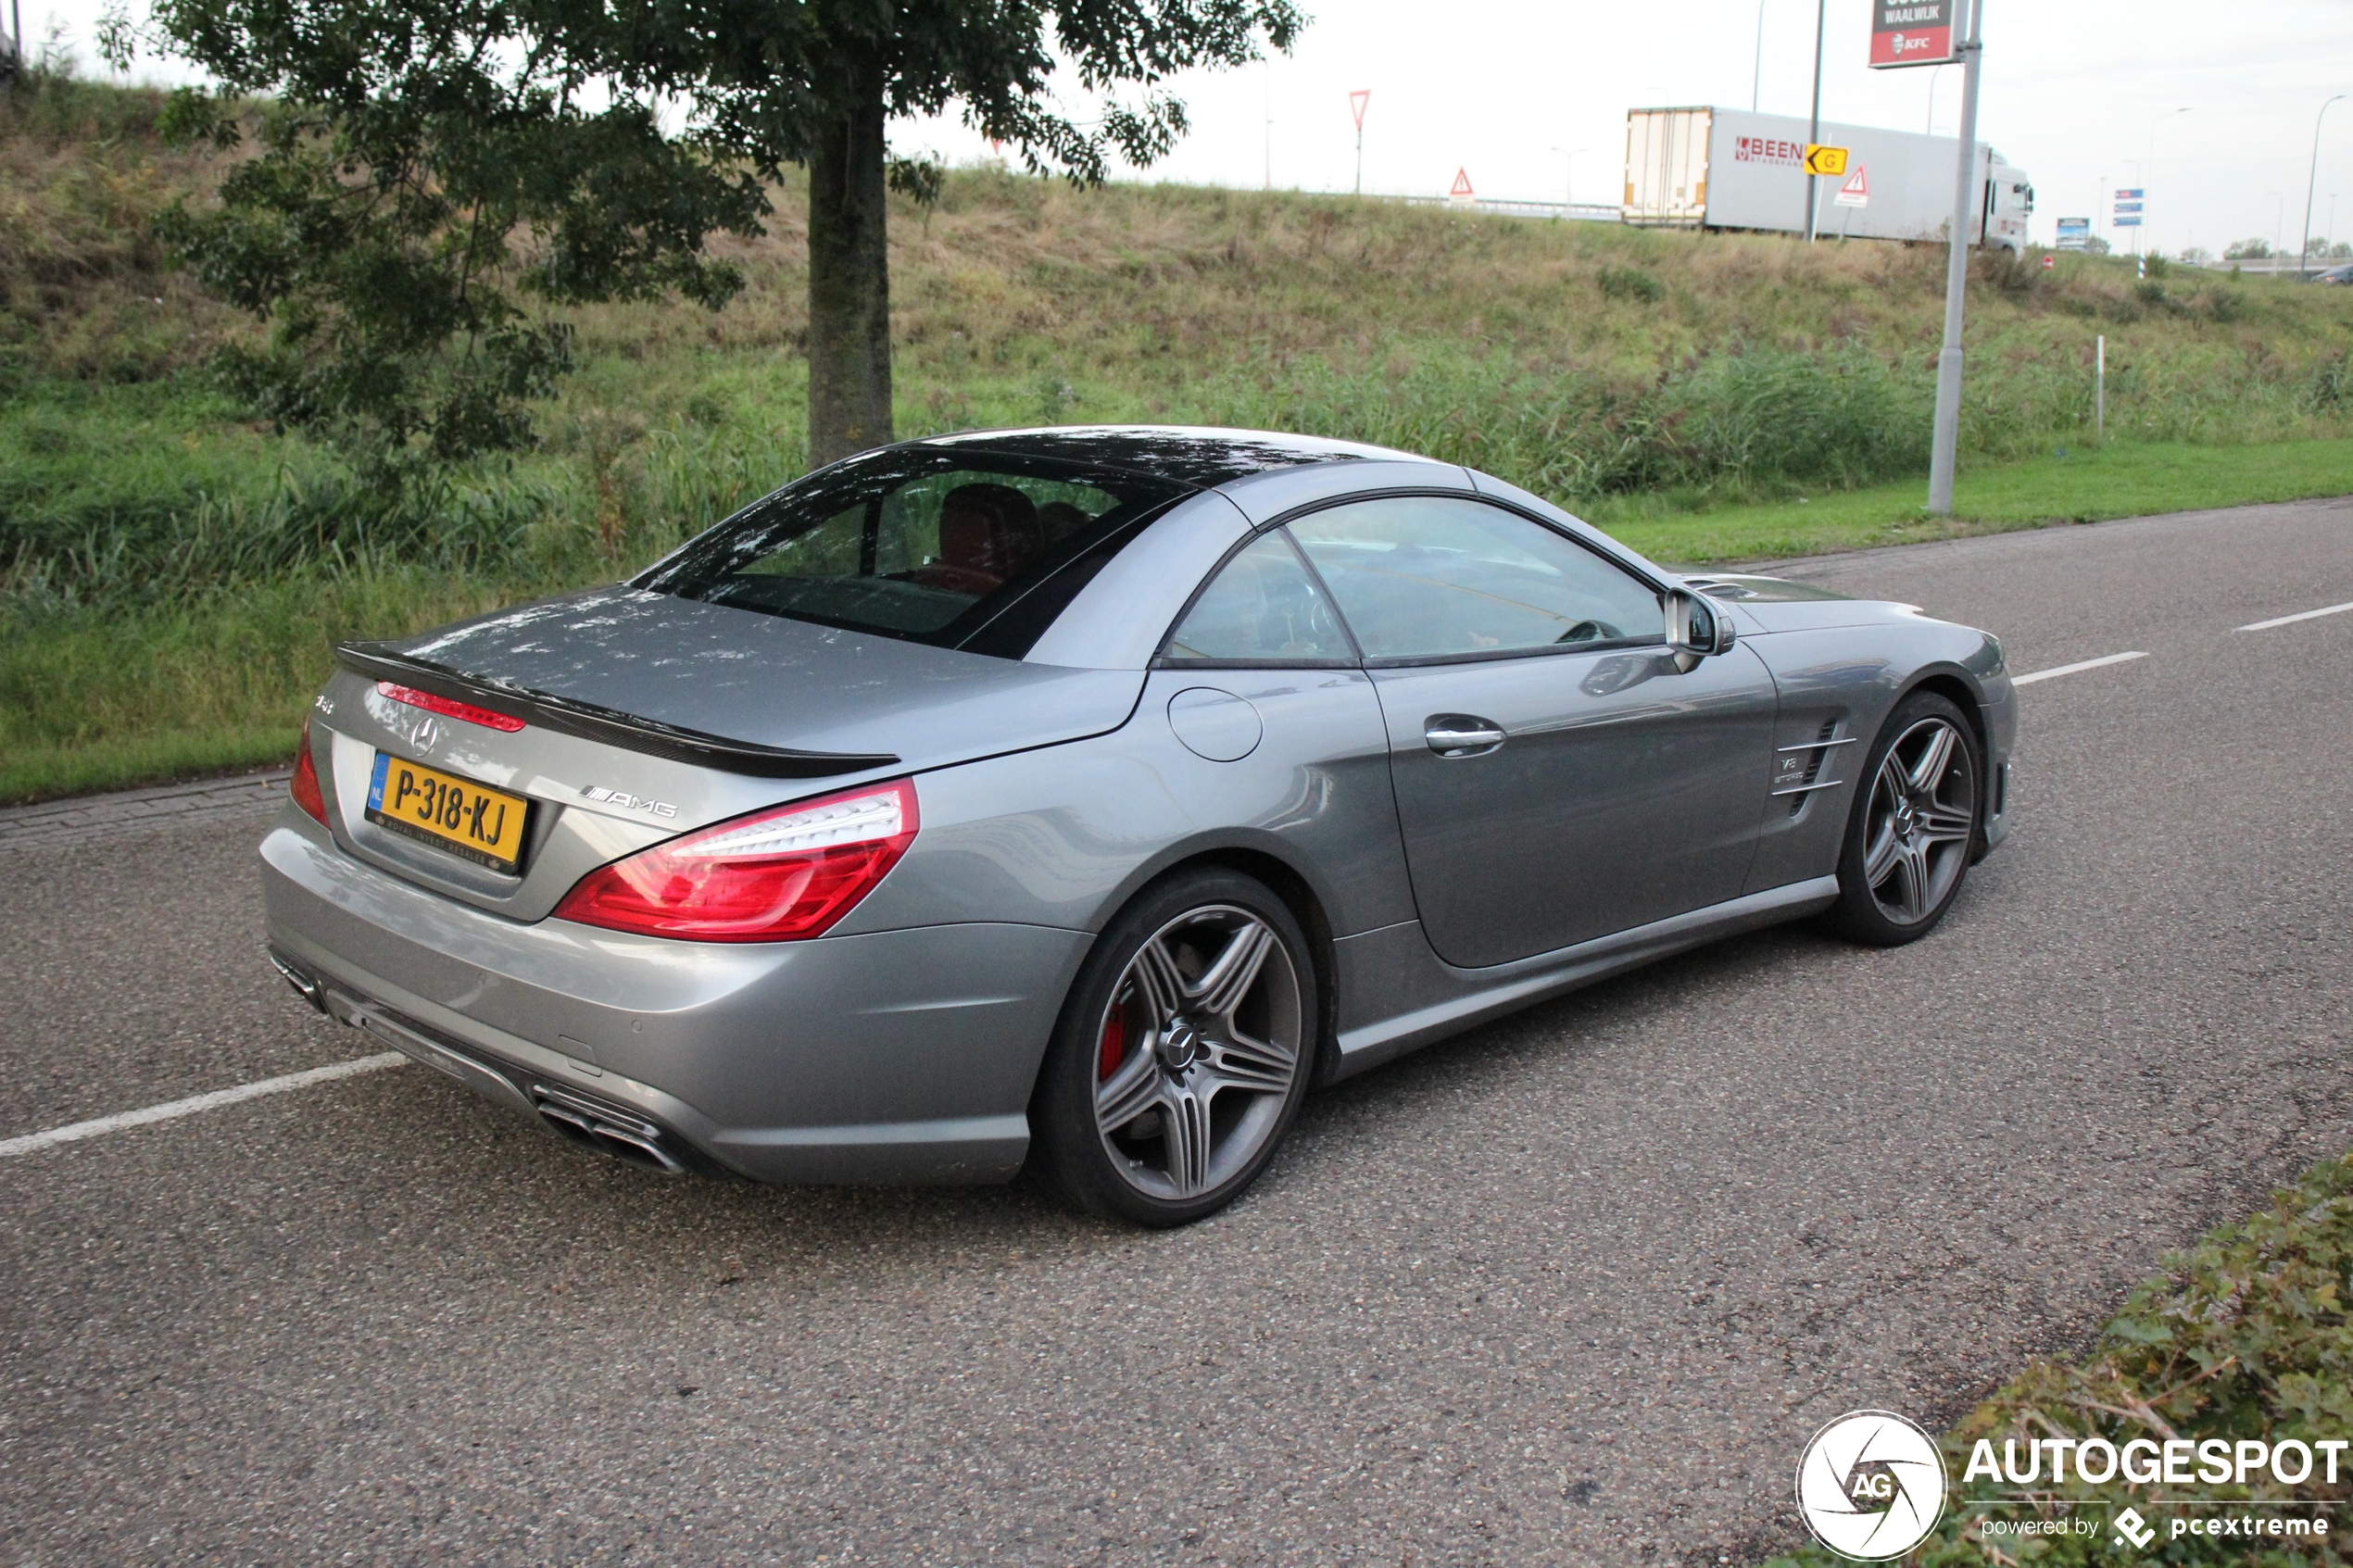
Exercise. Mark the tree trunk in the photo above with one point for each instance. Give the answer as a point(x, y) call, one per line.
point(849, 285)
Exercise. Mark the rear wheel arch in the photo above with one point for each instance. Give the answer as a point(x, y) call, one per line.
point(1289, 882)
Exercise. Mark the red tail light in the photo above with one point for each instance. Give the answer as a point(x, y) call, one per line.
point(307, 793)
point(774, 876)
point(450, 706)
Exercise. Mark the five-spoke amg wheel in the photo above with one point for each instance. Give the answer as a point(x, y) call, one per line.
point(1914, 825)
point(1182, 1053)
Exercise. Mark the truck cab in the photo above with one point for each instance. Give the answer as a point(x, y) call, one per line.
point(2009, 202)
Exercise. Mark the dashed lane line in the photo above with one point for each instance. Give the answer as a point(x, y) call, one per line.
point(31, 1143)
point(2074, 669)
point(2301, 615)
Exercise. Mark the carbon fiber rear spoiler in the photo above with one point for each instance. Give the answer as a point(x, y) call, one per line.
point(381, 662)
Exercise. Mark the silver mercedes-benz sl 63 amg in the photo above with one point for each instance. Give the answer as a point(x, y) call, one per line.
point(1075, 800)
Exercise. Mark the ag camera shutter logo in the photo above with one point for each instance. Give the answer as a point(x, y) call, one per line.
point(1872, 1486)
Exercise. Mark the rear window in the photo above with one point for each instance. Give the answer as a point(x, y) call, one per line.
point(957, 548)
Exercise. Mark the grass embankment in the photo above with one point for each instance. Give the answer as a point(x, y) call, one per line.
point(2247, 1336)
point(2083, 485)
point(170, 571)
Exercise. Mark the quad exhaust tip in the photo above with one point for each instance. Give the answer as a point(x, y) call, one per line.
point(305, 987)
point(604, 1128)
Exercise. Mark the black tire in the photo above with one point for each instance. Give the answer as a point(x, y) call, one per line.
point(1121, 1050)
point(1908, 844)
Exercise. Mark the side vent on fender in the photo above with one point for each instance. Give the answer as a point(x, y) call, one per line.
point(1797, 769)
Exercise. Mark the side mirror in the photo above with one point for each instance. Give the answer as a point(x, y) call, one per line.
point(1695, 629)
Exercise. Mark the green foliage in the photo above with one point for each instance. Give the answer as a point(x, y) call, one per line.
point(429, 176)
point(1630, 282)
point(421, 171)
point(2246, 1335)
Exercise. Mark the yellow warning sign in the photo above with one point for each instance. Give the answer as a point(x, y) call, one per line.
point(1820, 160)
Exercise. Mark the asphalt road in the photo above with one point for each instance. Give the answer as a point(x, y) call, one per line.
point(1573, 1289)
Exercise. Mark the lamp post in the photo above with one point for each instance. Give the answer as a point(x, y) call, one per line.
point(1814, 125)
point(2304, 252)
point(1943, 454)
point(1756, 78)
point(2154, 122)
point(1568, 180)
point(1358, 102)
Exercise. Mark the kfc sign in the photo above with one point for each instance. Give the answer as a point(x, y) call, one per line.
point(1912, 32)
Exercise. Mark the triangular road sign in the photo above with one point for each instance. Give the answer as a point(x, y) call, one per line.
point(1356, 102)
point(1462, 189)
point(1856, 192)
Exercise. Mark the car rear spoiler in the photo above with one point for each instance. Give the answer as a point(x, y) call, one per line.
point(381, 662)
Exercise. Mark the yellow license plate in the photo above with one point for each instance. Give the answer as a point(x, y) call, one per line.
point(446, 812)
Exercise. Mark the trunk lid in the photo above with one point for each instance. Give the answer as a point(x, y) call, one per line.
point(824, 701)
point(646, 715)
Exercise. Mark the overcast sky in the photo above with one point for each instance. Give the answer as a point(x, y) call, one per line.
point(2077, 93)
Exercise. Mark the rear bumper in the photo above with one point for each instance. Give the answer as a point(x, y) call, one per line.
point(897, 1056)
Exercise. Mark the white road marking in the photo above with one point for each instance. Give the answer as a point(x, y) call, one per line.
point(32, 1142)
point(2288, 620)
point(2071, 669)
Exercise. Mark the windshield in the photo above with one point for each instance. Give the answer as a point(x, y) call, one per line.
point(961, 548)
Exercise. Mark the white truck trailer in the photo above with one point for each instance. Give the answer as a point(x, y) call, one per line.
point(1729, 169)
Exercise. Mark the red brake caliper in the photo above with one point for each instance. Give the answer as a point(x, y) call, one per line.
point(1112, 1049)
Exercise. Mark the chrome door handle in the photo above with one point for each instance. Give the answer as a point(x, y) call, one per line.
point(1462, 735)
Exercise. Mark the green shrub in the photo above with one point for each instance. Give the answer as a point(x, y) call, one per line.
point(1631, 283)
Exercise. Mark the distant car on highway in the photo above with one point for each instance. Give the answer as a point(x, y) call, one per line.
point(2335, 275)
point(1081, 797)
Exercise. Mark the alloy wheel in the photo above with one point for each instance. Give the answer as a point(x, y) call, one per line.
point(1197, 1053)
point(1923, 810)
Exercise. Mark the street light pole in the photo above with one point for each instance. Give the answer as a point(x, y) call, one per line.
point(2304, 252)
point(1358, 102)
point(1814, 126)
point(1944, 453)
point(1757, 79)
point(1568, 180)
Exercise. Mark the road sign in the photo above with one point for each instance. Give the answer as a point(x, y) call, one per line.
point(1356, 102)
point(2074, 233)
point(1912, 32)
point(1820, 160)
point(2049, 262)
point(2124, 223)
point(1460, 194)
point(2132, 196)
point(1856, 192)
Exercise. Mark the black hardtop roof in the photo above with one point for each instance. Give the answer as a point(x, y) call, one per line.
point(1197, 456)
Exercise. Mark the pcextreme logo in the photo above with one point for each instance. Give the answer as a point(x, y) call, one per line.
point(1870, 1485)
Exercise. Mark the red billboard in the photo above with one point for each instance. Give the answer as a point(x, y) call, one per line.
point(1913, 33)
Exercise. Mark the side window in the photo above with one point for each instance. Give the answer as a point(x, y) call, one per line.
point(1427, 576)
point(1262, 606)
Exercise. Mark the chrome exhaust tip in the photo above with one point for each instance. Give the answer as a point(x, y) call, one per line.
point(607, 1129)
point(308, 988)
